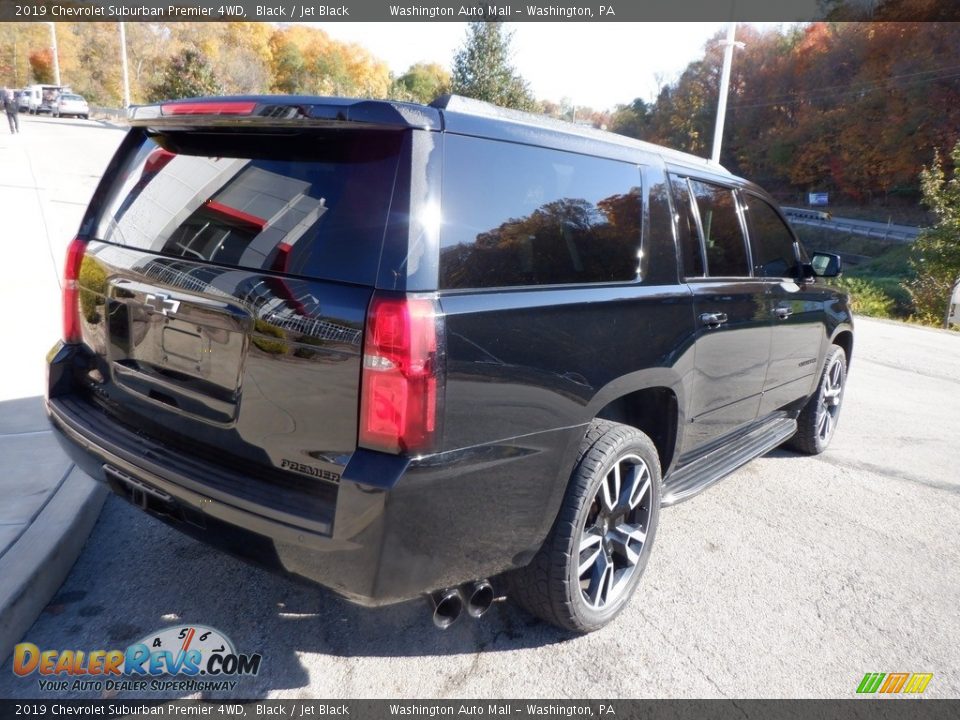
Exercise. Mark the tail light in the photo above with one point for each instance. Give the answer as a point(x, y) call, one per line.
point(398, 393)
point(209, 107)
point(71, 291)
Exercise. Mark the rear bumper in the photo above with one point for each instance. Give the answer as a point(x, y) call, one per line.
point(393, 529)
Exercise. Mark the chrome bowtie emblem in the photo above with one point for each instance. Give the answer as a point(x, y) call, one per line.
point(162, 304)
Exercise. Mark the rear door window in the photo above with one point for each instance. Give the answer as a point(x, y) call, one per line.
point(687, 233)
point(723, 239)
point(520, 215)
point(311, 204)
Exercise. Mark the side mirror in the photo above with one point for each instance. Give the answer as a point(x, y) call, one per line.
point(826, 265)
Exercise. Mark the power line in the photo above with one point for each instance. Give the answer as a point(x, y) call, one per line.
point(807, 96)
point(866, 85)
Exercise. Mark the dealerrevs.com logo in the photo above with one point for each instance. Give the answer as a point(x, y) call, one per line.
point(894, 683)
point(182, 659)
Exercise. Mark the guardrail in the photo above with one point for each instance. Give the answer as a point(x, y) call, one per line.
point(108, 112)
point(867, 228)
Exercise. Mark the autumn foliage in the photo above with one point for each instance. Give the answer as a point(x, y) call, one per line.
point(854, 109)
point(230, 57)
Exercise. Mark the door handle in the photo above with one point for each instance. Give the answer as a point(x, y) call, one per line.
point(782, 313)
point(713, 320)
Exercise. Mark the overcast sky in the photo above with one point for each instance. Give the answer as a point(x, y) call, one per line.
point(593, 64)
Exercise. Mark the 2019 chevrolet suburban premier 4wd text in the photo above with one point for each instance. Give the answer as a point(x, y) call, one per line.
point(403, 350)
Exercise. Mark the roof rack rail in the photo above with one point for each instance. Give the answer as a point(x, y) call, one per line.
point(472, 108)
point(481, 108)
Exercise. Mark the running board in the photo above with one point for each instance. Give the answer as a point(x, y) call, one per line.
point(700, 474)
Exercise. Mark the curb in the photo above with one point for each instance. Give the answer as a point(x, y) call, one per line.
point(37, 564)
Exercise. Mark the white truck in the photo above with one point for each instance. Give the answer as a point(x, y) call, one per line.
point(40, 98)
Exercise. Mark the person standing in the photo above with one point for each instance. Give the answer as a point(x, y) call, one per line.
point(12, 109)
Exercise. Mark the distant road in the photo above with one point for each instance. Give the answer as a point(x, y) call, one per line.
point(869, 228)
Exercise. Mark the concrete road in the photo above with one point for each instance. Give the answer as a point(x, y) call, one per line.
point(791, 578)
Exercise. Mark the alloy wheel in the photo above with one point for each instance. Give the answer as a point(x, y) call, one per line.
point(830, 399)
point(614, 532)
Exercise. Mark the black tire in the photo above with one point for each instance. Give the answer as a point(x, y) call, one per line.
point(818, 419)
point(551, 586)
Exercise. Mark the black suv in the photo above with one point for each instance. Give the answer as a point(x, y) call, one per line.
point(403, 350)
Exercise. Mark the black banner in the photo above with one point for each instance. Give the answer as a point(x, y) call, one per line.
point(504, 10)
point(894, 709)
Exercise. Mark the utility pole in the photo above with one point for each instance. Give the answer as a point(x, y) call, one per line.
point(123, 64)
point(56, 55)
point(729, 43)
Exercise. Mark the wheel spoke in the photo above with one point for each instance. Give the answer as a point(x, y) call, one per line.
point(601, 582)
point(611, 489)
point(641, 486)
point(825, 426)
point(591, 545)
point(836, 373)
point(608, 582)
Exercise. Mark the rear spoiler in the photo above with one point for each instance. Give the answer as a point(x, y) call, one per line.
point(284, 111)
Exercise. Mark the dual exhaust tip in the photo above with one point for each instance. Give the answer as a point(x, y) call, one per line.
point(449, 604)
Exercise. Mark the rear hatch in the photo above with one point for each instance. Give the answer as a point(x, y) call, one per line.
point(225, 284)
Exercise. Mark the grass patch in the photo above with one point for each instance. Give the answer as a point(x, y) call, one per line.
point(875, 274)
point(866, 297)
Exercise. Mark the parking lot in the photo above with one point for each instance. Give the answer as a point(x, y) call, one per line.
point(791, 578)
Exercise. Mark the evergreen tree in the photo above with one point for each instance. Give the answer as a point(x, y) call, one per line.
point(187, 75)
point(482, 69)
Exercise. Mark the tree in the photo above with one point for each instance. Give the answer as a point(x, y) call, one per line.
point(308, 61)
point(422, 82)
point(936, 252)
point(289, 67)
point(482, 69)
point(632, 120)
point(187, 75)
point(41, 65)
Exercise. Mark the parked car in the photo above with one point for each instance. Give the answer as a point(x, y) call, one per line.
point(70, 104)
point(282, 338)
point(23, 100)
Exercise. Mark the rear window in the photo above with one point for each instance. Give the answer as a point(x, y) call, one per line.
point(310, 204)
point(520, 215)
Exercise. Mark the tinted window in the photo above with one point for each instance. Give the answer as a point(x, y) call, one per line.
point(687, 234)
point(313, 205)
point(770, 240)
point(722, 233)
point(520, 215)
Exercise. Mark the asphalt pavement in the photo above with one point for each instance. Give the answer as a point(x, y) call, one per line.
point(791, 578)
